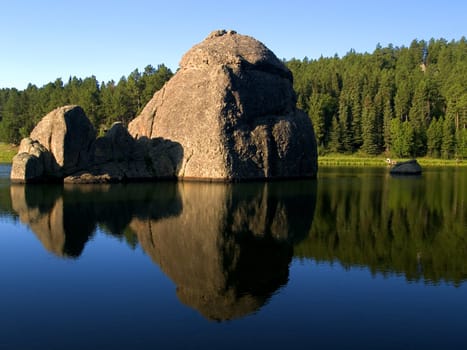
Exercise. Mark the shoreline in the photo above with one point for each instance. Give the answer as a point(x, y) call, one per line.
point(7, 152)
point(381, 161)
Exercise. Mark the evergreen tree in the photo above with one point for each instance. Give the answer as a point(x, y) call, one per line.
point(402, 100)
point(154, 79)
point(335, 136)
point(322, 110)
point(461, 143)
point(448, 146)
point(345, 128)
point(12, 118)
point(435, 137)
point(402, 136)
point(370, 127)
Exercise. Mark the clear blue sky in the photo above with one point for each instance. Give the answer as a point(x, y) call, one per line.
point(41, 40)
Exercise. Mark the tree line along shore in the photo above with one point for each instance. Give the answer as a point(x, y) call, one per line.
point(397, 102)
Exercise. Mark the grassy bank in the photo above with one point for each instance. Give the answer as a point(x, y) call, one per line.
point(356, 160)
point(7, 152)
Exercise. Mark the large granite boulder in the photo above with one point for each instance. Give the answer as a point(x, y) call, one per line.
point(232, 108)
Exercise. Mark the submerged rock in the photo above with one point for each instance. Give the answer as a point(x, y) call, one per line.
point(410, 167)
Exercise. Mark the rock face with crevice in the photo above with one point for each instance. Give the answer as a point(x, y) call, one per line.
point(232, 108)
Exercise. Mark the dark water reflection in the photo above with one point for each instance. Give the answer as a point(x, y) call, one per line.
point(232, 238)
point(226, 247)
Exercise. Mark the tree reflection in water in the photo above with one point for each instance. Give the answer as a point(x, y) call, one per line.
point(415, 226)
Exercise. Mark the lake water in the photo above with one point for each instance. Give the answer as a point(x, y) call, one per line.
point(354, 260)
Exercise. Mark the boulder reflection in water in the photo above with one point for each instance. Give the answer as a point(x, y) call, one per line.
point(227, 247)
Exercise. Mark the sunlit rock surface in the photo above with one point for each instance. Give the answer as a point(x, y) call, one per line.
point(232, 108)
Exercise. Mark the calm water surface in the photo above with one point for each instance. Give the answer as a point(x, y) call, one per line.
point(355, 259)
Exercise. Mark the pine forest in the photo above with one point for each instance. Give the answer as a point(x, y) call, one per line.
point(397, 101)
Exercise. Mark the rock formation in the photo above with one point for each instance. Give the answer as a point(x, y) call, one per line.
point(232, 108)
point(228, 114)
point(63, 147)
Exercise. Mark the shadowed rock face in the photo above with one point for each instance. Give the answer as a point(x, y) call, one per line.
point(232, 108)
point(227, 247)
point(68, 134)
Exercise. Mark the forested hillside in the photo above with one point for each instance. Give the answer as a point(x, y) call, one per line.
point(400, 101)
point(407, 101)
point(104, 103)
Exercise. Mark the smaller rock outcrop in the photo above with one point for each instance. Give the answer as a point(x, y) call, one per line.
point(60, 144)
point(63, 147)
point(68, 135)
point(410, 167)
